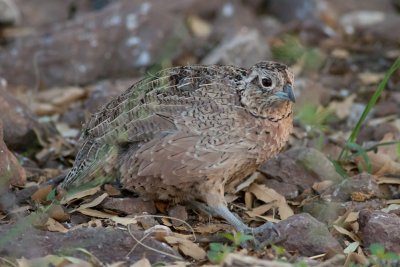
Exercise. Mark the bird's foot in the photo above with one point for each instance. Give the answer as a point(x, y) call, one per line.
point(263, 235)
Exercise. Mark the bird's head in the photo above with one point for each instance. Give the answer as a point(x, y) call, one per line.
point(268, 90)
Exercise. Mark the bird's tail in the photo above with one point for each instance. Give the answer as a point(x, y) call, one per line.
point(91, 161)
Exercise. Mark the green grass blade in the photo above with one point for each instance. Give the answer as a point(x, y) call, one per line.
point(370, 105)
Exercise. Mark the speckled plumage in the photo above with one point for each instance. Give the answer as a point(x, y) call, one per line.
point(189, 133)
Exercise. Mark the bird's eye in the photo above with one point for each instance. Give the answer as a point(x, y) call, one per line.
point(266, 82)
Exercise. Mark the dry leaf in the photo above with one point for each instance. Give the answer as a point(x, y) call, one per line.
point(54, 226)
point(96, 213)
point(381, 164)
point(342, 109)
point(387, 180)
point(360, 196)
point(266, 218)
point(269, 195)
point(260, 210)
point(199, 27)
point(124, 220)
point(212, 228)
point(81, 194)
point(141, 263)
point(368, 78)
point(321, 187)
point(187, 247)
point(352, 216)
point(346, 232)
point(393, 201)
point(92, 203)
point(248, 200)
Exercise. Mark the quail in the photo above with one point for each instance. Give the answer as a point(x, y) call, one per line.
point(189, 133)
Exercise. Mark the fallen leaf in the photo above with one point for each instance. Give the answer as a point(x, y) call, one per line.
point(81, 194)
point(369, 78)
point(212, 228)
point(352, 247)
point(92, 203)
point(269, 195)
point(391, 207)
point(346, 232)
point(260, 210)
point(360, 196)
point(199, 27)
point(321, 187)
point(381, 164)
point(54, 226)
point(352, 216)
point(141, 263)
point(187, 247)
point(96, 213)
point(123, 220)
point(387, 180)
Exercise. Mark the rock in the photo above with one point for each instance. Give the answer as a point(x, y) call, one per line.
point(360, 19)
point(324, 211)
point(301, 167)
point(385, 31)
point(102, 92)
point(361, 185)
point(372, 204)
point(244, 49)
point(120, 40)
point(9, 13)
point(51, 12)
point(107, 244)
point(19, 123)
point(341, 7)
point(307, 236)
point(380, 227)
point(289, 191)
point(232, 17)
point(129, 205)
point(289, 10)
point(11, 172)
point(178, 212)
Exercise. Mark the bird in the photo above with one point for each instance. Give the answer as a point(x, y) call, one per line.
point(189, 133)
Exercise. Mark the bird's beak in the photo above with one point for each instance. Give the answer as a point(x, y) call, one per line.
point(286, 93)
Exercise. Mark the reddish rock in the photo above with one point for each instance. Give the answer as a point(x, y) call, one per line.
point(380, 227)
point(11, 171)
point(304, 234)
point(107, 244)
point(324, 211)
point(178, 212)
point(129, 205)
point(119, 40)
point(289, 191)
point(19, 123)
point(363, 184)
point(301, 167)
point(243, 49)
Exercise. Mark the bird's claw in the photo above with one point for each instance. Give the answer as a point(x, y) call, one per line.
point(267, 232)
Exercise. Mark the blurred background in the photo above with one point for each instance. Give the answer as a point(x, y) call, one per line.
point(61, 60)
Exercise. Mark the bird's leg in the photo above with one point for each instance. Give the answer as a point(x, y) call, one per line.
point(225, 213)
